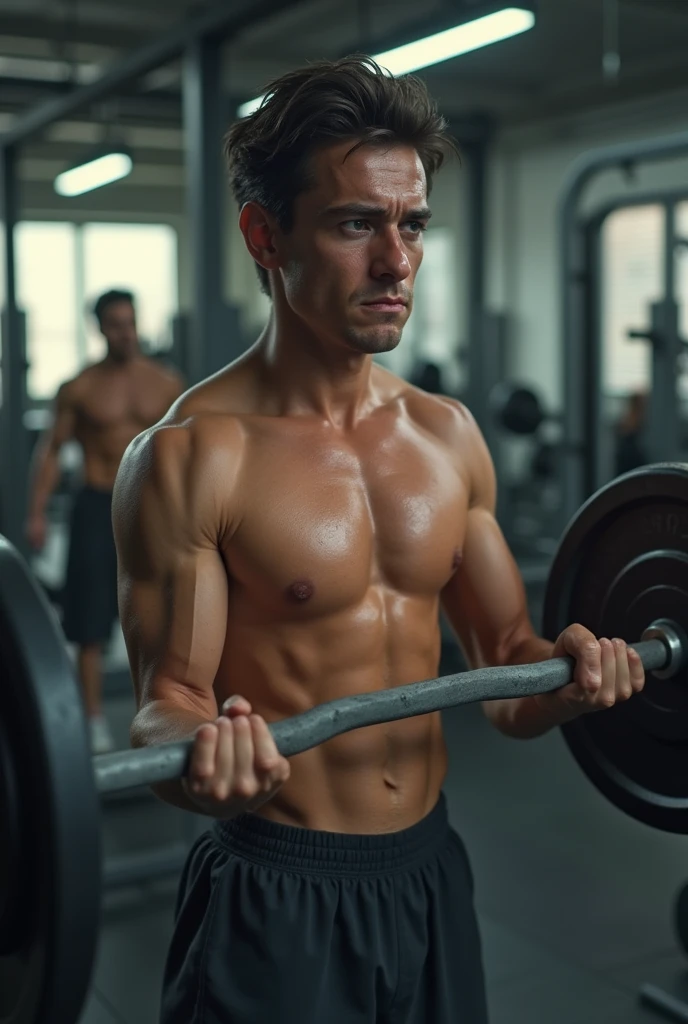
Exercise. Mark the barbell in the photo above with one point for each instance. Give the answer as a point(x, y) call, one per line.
point(621, 570)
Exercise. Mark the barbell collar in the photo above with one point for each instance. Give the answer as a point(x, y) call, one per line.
point(148, 766)
point(676, 643)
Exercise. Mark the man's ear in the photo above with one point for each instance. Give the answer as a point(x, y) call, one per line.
point(259, 228)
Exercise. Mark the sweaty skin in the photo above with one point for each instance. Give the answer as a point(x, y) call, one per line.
point(294, 563)
point(289, 530)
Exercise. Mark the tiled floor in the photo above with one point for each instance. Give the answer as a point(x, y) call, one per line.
point(574, 898)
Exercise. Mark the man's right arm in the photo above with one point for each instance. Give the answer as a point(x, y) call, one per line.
point(46, 462)
point(169, 520)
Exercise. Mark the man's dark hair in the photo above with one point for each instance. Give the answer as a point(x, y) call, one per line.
point(109, 299)
point(321, 104)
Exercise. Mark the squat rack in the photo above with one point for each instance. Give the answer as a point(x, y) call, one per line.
point(580, 365)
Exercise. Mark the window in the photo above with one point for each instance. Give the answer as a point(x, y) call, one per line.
point(632, 278)
point(47, 292)
point(61, 270)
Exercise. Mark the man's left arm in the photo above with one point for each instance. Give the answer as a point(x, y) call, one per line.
point(485, 603)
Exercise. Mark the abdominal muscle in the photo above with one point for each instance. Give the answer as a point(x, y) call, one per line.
point(378, 779)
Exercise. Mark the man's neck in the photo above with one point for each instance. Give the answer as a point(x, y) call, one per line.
point(306, 376)
point(116, 363)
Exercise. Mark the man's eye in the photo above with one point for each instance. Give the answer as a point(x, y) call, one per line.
point(417, 226)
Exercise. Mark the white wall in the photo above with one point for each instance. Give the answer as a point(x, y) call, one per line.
point(527, 171)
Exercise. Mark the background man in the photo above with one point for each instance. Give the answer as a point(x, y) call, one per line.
point(102, 408)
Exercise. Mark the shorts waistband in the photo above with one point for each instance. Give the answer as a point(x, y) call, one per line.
point(316, 852)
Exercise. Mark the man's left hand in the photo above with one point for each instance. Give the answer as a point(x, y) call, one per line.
point(606, 672)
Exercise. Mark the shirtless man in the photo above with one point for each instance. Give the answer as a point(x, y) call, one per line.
point(103, 408)
point(286, 536)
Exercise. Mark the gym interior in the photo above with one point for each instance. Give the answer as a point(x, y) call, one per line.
point(552, 301)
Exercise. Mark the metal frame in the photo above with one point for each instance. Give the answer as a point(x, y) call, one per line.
point(222, 19)
point(575, 281)
point(663, 423)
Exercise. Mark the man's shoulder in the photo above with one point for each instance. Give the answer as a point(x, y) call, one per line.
point(187, 435)
point(446, 418)
point(78, 386)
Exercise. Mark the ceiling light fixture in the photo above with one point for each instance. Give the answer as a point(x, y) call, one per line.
point(470, 35)
point(101, 169)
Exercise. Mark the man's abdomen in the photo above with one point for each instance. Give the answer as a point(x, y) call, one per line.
point(377, 779)
point(380, 779)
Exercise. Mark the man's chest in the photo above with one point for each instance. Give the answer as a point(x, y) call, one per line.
point(112, 404)
point(322, 524)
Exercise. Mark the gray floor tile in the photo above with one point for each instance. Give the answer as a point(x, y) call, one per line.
point(669, 972)
point(551, 858)
point(508, 956)
point(557, 994)
point(96, 1012)
point(131, 959)
point(635, 1014)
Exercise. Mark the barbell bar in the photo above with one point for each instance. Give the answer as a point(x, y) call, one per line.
point(667, 652)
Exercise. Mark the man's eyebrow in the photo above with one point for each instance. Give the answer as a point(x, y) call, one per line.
point(361, 210)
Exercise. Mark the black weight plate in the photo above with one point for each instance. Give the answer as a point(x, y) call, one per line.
point(14, 872)
point(45, 969)
point(622, 563)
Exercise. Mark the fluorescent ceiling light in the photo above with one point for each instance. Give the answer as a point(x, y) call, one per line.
point(102, 170)
point(458, 40)
point(471, 35)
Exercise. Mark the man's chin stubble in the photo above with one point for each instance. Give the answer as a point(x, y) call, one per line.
point(373, 344)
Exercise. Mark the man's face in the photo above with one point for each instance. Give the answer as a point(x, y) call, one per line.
point(356, 245)
point(118, 326)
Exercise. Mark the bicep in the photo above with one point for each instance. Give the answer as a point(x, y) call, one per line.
point(485, 601)
point(173, 588)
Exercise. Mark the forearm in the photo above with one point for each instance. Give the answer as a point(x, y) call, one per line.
point(45, 478)
point(165, 722)
point(526, 717)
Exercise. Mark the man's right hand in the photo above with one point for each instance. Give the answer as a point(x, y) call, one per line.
point(235, 765)
point(36, 530)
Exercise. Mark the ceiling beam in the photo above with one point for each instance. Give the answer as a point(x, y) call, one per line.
point(120, 36)
point(221, 19)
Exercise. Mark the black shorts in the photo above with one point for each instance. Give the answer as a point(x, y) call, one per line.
point(281, 925)
point(89, 595)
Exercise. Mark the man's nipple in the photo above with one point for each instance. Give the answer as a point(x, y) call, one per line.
point(299, 591)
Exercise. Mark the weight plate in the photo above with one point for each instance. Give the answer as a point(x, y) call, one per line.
point(14, 861)
point(622, 563)
point(46, 966)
